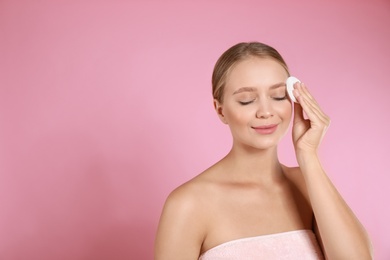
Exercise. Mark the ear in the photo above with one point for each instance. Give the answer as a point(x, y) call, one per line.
point(218, 106)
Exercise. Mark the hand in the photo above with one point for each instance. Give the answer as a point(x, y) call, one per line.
point(307, 133)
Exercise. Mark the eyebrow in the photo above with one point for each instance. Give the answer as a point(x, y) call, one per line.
point(244, 89)
point(251, 89)
point(278, 85)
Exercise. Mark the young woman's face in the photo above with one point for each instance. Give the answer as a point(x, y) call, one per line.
point(255, 103)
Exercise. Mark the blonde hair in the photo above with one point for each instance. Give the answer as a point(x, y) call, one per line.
point(238, 53)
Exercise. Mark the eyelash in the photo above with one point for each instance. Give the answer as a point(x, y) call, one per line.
point(245, 103)
point(276, 98)
point(280, 99)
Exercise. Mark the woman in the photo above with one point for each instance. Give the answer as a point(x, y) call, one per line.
point(249, 205)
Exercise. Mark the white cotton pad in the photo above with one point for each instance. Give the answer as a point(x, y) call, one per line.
point(290, 87)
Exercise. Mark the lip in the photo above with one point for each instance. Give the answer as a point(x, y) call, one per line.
point(266, 129)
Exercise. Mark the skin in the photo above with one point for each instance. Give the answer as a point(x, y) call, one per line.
point(249, 192)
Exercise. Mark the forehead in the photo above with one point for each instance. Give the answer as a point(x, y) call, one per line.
point(255, 72)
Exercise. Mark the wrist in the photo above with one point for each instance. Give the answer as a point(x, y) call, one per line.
point(305, 158)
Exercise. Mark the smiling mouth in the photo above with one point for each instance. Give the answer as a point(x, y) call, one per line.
point(266, 129)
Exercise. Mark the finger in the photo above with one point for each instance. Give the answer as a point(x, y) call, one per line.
point(306, 91)
point(316, 117)
point(311, 102)
point(301, 92)
point(310, 99)
point(309, 109)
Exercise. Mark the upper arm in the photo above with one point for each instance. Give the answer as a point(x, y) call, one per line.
point(180, 231)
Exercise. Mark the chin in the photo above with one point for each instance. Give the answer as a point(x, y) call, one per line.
point(257, 146)
point(266, 146)
point(263, 142)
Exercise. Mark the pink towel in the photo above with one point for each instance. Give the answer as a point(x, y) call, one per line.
point(297, 244)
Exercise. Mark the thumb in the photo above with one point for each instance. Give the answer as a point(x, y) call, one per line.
point(298, 113)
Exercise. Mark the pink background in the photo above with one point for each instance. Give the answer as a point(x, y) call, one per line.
point(105, 107)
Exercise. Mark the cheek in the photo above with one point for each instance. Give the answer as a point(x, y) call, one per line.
point(285, 111)
point(238, 116)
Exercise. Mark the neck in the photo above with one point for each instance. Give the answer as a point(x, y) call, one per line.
point(254, 164)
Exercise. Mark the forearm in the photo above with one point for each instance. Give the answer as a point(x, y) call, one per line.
point(342, 234)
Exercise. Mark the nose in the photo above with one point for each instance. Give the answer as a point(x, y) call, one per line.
point(264, 110)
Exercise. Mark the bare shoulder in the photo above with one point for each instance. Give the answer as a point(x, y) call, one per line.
point(186, 199)
point(191, 196)
point(182, 226)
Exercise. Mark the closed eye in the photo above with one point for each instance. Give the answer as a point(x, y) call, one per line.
point(280, 98)
point(245, 102)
